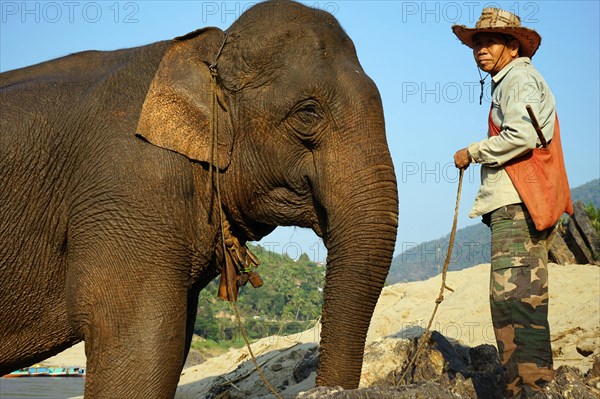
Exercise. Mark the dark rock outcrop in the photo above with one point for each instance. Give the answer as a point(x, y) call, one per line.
point(560, 253)
point(576, 244)
point(586, 229)
point(577, 240)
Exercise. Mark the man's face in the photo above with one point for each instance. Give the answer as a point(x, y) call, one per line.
point(492, 52)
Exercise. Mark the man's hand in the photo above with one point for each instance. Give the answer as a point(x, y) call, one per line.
point(462, 158)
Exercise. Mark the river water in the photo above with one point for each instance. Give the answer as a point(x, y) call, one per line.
point(41, 387)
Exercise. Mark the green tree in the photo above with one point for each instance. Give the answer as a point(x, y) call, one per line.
point(289, 301)
point(594, 214)
point(206, 325)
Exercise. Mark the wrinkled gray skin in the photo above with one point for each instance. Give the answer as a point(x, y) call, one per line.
point(108, 229)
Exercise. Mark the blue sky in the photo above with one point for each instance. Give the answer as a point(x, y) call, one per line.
point(427, 79)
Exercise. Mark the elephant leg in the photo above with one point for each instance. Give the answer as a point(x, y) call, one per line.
point(192, 309)
point(134, 329)
point(139, 355)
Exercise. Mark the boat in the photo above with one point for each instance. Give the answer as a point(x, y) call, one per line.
point(39, 371)
point(18, 373)
point(65, 372)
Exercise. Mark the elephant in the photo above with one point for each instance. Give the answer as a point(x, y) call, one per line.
point(116, 167)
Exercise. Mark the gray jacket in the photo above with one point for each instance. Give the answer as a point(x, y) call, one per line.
point(515, 86)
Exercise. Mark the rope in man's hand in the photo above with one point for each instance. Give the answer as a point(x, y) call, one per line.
point(444, 287)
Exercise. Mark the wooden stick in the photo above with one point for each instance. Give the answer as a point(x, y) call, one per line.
point(536, 126)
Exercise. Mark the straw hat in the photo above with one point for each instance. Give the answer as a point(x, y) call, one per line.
point(495, 20)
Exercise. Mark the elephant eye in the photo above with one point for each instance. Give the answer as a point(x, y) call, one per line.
point(307, 118)
point(311, 109)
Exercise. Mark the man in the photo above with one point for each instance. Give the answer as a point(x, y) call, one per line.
point(523, 193)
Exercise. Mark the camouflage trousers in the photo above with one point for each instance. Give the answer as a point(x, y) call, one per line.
point(519, 300)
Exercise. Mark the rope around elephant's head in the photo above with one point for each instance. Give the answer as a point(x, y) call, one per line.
point(440, 298)
point(215, 174)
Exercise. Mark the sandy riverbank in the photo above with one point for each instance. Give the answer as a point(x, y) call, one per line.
point(403, 309)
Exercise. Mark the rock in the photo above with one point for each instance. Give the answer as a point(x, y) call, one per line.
point(307, 366)
point(560, 253)
point(576, 240)
point(384, 357)
point(194, 358)
point(436, 357)
point(594, 373)
point(287, 370)
point(570, 384)
point(576, 243)
point(444, 369)
point(486, 371)
point(320, 392)
point(587, 346)
point(424, 390)
point(586, 229)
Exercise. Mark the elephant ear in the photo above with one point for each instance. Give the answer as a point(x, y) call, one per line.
point(178, 110)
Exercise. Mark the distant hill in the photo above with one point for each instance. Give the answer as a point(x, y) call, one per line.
point(425, 260)
point(588, 192)
point(471, 247)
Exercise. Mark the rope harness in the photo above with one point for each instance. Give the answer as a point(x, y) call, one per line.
point(237, 258)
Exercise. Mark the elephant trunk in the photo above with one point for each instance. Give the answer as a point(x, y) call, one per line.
point(360, 239)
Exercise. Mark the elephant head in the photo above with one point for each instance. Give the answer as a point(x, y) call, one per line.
point(295, 130)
